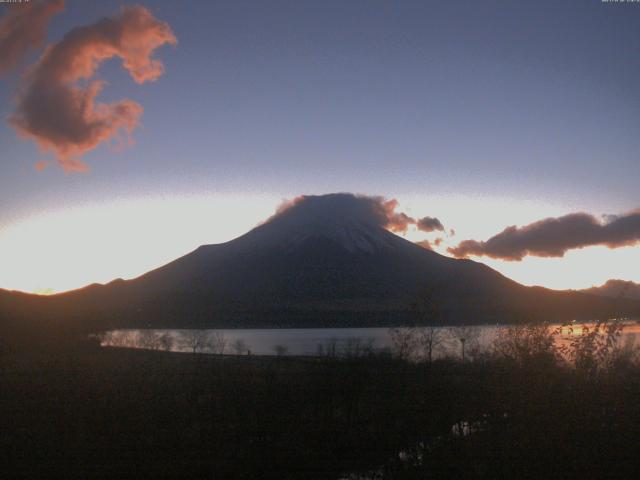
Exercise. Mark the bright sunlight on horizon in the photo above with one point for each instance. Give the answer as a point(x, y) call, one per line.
point(70, 248)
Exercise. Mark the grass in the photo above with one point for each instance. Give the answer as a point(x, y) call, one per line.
point(114, 413)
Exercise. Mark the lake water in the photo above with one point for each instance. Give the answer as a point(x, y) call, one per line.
point(317, 341)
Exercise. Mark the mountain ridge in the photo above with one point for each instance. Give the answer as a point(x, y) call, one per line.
point(615, 288)
point(321, 261)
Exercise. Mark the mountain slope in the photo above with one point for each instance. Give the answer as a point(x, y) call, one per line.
point(616, 289)
point(323, 261)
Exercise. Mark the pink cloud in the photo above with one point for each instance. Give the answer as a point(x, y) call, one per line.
point(59, 111)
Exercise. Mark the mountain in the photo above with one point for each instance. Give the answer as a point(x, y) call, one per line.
point(322, 261)
point(616, 289)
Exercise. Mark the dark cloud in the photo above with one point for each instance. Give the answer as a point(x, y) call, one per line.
point(23, 28)
point(553, 237)
point(367, 209)
point(57, 105)
point(429, 224)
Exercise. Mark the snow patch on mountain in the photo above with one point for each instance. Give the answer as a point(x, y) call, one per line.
point(345, 220)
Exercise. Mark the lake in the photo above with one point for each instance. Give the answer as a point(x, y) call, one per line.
point(315, 341)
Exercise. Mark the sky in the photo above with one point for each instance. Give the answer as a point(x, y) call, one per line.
point(484, 114)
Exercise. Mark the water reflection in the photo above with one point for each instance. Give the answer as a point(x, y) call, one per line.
point(425, 343)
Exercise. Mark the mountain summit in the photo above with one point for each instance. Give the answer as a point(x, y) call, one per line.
point(322, 261)
point(353, 222)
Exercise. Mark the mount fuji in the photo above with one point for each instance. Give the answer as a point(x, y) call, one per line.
point(322, 261)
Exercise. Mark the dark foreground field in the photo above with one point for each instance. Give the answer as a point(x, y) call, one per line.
point(116, 413)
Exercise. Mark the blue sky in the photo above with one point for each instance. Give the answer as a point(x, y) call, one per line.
point(532, 102)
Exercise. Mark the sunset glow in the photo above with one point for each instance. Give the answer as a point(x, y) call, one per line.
point(136, 133)
point(71, 248)
point(320, 239)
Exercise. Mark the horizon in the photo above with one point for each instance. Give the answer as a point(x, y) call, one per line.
point(320, 239)
point(405, 229)
point(482, 116)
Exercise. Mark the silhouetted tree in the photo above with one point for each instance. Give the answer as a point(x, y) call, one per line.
point(329, 349)
point(526, 343)
point(403, 342)
point(195, 340)
point(149, 339)
point(166, 342)
point(429, 340)
point(239, 346)
point(593, 348)
point(120, 338)
point(280, 350)
point(468, 337)
point(427, 312)
point(219, 343)
point(355, 347)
